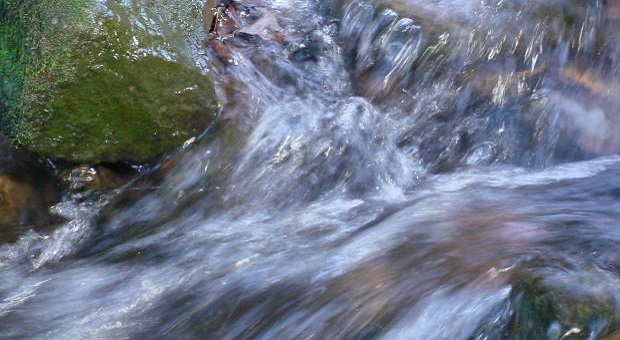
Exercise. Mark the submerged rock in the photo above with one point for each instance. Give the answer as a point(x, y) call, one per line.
point(614, 336)
point(104, 83)
point(84, 180)
point(565, 305)
point(27, 190)
point(530, 83)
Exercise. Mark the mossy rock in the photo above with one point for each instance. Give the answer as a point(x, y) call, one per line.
point(111, 91)
point(564, 305)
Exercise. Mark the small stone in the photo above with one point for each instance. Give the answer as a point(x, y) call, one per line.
point(84, 179)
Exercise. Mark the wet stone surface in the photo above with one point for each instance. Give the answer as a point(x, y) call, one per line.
point(27, 191)
point(105, 81)
point(84, 180)
point(565, 305)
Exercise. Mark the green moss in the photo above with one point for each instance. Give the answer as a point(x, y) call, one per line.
point(125, 103)
point(106, 117)
point(33, 44)
point(11, 73)
point(11, 78)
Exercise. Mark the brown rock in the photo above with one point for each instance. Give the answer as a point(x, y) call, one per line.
point(27, 190)
point(613, 336)
point(86, 178)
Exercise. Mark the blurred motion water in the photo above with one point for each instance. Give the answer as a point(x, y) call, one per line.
point(429, 170)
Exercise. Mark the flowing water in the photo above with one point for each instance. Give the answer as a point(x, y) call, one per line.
point(430, 170)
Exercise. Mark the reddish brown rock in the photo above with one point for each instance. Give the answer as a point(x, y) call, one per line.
point(27, 190)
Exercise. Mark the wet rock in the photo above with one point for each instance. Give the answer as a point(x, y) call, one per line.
point(613, 336)
point(107, 83)
point(582, 107)
point(535, 92)
point(27, 190)
point(84, 180)
point(565, 305)
point(229, 18)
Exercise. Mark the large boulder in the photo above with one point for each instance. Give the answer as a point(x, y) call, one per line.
point(101, 82)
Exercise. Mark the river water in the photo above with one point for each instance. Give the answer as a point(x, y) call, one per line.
point(435, 170)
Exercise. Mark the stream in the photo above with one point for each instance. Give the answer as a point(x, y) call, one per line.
point(415, 169)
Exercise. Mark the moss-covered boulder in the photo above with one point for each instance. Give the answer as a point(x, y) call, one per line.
point(100, 81)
